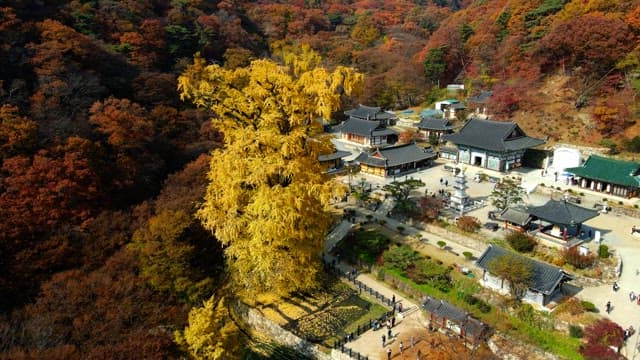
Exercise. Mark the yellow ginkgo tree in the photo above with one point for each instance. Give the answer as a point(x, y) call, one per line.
point(267, 197)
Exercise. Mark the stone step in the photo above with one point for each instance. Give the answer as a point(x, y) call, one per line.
point(410, 310)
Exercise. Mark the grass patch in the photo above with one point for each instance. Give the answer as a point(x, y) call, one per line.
point(375, 312)
point(548, 340)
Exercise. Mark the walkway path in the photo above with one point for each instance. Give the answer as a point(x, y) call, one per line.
point(409, 321)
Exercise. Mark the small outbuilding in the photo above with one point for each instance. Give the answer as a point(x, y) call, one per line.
point(447, 317)
point(479, 103)
point(432, 129)
point(333, 162)
point(560, 219)
point(515, 218)
point(450, 108)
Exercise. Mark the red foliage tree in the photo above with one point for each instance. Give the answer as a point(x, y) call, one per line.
point(505, 100)
point(609, 38)
point(18, 134)
point(429, 208)
point(55, 186)
point(599, 337)
point(65, 90)
point(106, 311)
point(123, 122)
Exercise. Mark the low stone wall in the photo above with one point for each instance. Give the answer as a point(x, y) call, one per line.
point(455, 237)
point(262, 325)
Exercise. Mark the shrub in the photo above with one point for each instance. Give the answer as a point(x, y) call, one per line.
point(603, 251)
point(573, 257)
point(400, 229)
point(442, 244)
point(468, 223)
point(588, 306)
point(573, 306)
point(399, 257)
point(521, 242)
point(427, 272)
point(380, 275)
point(575, 331)
point(470, 299)
point(483, 307)
point(467, 255)
point(558, 261)
point(382, 222)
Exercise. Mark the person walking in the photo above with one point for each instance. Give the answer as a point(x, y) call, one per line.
point(389, 334)
point(608, 307)
point(393, 321)
point(413, 341)
point(389, 353)
point(384, 340)
point(401, 346)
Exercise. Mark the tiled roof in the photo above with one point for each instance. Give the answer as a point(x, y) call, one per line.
point(396, 155)
point(431, 123)
point(443, 309)
point(613, 171)
point(365, 128)
point(334, 156)
point(493, 135)
point(434, 113)
point(449, 149)
point(516, 216)
point(545, 277)
point(369, 112)
point(458, 106)
point(562, 212)
point(480, 98)
point(472, 327)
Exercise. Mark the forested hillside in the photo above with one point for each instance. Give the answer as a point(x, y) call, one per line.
point(102, 166)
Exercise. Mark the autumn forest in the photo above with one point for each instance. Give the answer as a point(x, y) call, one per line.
point(148, 147)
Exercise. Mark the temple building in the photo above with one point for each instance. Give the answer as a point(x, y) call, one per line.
point(367, 133)
point(431, 129)
point(546, 281)
point(491, 144)
point(615, 177)
point(396, 160)
point(371, 113)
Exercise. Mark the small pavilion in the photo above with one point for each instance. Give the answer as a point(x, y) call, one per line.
point(560, 220)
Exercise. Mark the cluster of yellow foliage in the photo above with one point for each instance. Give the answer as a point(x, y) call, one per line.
point(267, 196)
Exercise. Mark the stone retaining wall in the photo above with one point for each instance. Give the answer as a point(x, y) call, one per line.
point(262, 325)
